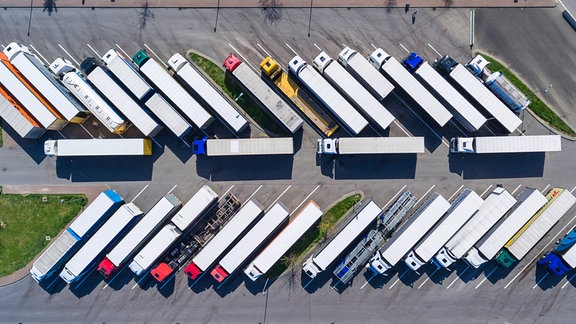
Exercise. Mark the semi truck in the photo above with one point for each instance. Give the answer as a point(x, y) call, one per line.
point(461, 210)
point(195, 81)
point(329, 253)
point(559, 201)
point(409, 234)
point(529, 202)
point(119, 98)
point(139, 235)
point(342, 80)
point(264, 230)
point(157, 75)
point(563, 257)
point(135, 83)
point(298, 96)
point(243, 146)
point(18, 118)
point(388, 65)
point(76, 84)
point(506, 144)
point(327, 95)
point(29, 98)
point(284, 241)
point(221, 243)
point(371, 145)
point(475, 89)
point(98, 147)
point(105, 238)
point(463, 111)
point(179, 224)
point(493, 209)
point(263, 94)
point(40, 77)
point(76, 234)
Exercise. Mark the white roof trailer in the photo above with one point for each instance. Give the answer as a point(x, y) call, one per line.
point(17, 121)
point(333, 100)
point(494, 207)
point(506, 144)
point(371, 145)
point(461, 210)
point(100, 242)
point(358, 224)
point(529, 202)
point(395, 71)
point(215, 99)
point(244, 146)
point(168, 115)
point(284, 241)
point(353, 90)
point(99, 147)
point(195, 208)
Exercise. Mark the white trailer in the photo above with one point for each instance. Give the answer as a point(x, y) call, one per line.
point(119, 98)
point(24, 125)
point(72, 80)
point(506, 144)
point(419, 224)
point(284, 241)
point(40, 77)
point(244, 146)
point(99, 147)
point(461, 210)
point(227, 236)
point(471, 85)
point(371, 145)
point(364, 72)
point(76, 234)
point(529, 202)
point(387, 64)
point(195, 208)
point(165, 83)
point(169, 116)
point(194, 80)
point(494, 207)
point(353, 90)
point(139, 235)
point(358, 224)
point(98, 244)
point(324, 92)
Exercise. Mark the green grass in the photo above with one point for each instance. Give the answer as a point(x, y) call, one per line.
point(25, 221)
point(313, 235)
point(537, 106)
point(233, 90)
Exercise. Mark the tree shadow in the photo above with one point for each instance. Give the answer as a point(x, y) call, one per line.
point(50, 7)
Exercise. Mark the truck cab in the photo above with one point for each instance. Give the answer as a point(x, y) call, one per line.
point(413, 261)
point(51, 148)
point(412, 62)
point(554, 264)
point(310, 268)
point(328, 146)
point(270, 67)
point(462, 145)
point(378, 265)
point(199, 146)
point(378, 58)
point(443, 259)
point(321, 61)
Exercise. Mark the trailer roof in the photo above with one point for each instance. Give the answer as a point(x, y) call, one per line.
point(194, 208)
point(154, 249)
point(17, 121)
point(528, 143)
point(365, 71)
point(107, 202)
point(360, 145)
point(168, 115)
point(570, 257)
point(249, 146)
point(126, 73)
point(102, 146)
point(53, 254)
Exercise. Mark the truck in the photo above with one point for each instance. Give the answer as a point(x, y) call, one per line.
point(371, 145)
point(119, 98)
point(221, 243)
point(18, 118)
point(498, 84)
point(157, 75)
point(460, 76)
point(105, 238)
point(409, 234)
point(265, 229)
point(342, 80)
point(391, 68)
point(493, 209)
point(559, 201)
point(529, 202)
point(463, 111)
point(98, 147)
point(243, 146)
point(76, 234)
point(127, 75)
point(270, 255)
point(76, 84)
point(461, 210)
point(195, 81)
point(29, 98)
point(40, 77)
point(327, 95)
point(139, 235)
point(358, 223)
point(181, 223)
point(563, 257)
point(298, 96)
point(506, 144)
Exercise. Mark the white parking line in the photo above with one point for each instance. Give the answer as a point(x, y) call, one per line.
point(402, 128)
point(303, 201)
point(169, 192)
point(516, 189)
point(394, 197)
point(486, 278)
point(572, 189)
point(226, 193)
point(293, 51)
point(59, 132)
point(282, 194)
point(425, 194)
point(455, 192)
point(155, 142)
point(69, 55)
point(258, 189)
point(93, 50)
point(141, 191)
point(395, 282)
point(425, 281)
point(156, 55)
point(263, 50)
point(84, 128)
point(374, 274)
point(243, 58)
point(457, 277)
point(490, 186)
point(567, 282)
point(541, 279)
point(39, 54)
point(127, 56)
point(437, 53)
point(546, 187)
point(318, 47)
point(404, 48)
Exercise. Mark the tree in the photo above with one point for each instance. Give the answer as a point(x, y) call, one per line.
point(271, 10)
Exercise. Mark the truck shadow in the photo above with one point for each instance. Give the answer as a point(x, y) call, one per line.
point(496, 273)
point(311, 285)
point(491, 166)
point(176, 145)
point(86, 284)
point(383, 166)
point(122, 279)
point(223, 168)
point(53, 284)
point(33, 147)
point(102, 168)
point(379, 281)
point(546, 280)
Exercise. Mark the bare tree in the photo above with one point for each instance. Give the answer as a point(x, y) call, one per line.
point(389, 5)
point(271, 10)
point(144, 15)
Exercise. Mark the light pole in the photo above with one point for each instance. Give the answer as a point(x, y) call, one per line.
point(310, 19)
